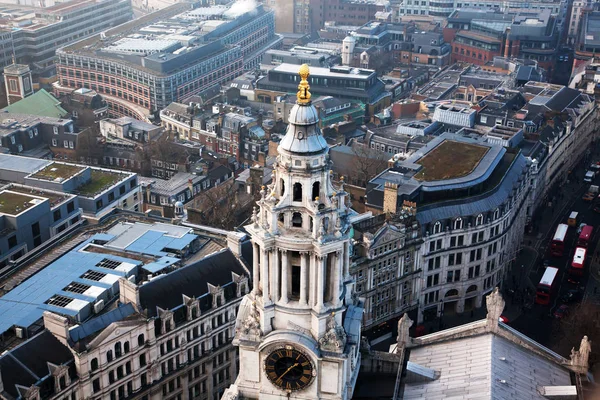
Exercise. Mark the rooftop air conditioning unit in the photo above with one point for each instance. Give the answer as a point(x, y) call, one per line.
point(98, 306)
point(19, 333)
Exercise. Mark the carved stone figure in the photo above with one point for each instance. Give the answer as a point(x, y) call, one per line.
point(334, 338)
point(495, 306)
point(404, 325)
point(251, 325)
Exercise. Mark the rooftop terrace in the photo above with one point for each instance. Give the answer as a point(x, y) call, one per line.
point(13, 203)
point(55, 198)
point(58, 172)
point(450, 160)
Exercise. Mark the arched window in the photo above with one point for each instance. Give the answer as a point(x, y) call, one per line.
point(118, 351)
point(316, 190)
point(282, 185)
point(451, 292)
point(311, 223)
point(297, 220)
point(109, 356)
point(326, 224)
point(437, 227)
point(479, 220)
point(141, 339)
point(458, 223)
point(496, 214)
point(280, 218)
point(126, 347)
point(297, 192)
point(472, 288)
point(94, 364)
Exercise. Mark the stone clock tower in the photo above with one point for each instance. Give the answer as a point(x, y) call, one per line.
point(298, 332)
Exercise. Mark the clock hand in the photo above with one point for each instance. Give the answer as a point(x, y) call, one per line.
point(288, 370)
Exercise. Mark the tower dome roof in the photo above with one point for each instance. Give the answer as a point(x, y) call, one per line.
point(303, 134)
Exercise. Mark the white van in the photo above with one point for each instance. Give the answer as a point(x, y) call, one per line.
point(589, 176)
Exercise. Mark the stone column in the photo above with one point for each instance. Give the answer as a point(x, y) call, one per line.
point(303, 278)
point(321, 265)
point(275, 275)
point(255, 268)
point(346, 260)
point(284, 276)
point(338, 275)
point(264, 272)
point(312, 278)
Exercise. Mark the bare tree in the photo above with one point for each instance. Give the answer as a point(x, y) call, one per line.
point(369, 162)
point(89, 145)
point(222, 206)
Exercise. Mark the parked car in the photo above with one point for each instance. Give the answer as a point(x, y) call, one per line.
point(561, 312)
point(588, 197)
point(581, 225)
point(503, 319)
point(572, 296)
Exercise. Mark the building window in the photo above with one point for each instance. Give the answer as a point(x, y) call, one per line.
point(55, 130)
point(54, 142)
point(437, 227)
point(479, 220)
point(458, 223)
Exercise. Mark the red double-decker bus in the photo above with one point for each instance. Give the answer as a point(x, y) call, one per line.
point(585, 236)
point(558, 241)
point(576, 269)
point(547, 286)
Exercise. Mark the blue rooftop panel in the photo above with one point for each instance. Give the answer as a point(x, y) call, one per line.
point(180, 243)
point(160, 264)
point(25, 304)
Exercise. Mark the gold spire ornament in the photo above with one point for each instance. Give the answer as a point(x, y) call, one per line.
point(303, 94)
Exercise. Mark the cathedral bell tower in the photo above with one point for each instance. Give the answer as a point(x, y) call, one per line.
point(298, 331)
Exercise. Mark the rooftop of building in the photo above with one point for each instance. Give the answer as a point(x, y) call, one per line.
point(333, 72)
point(31, 363)
point(166, 290)
point(30, 18)
point(58, 172)
point(12, 122)
point(133, 123)
point(164, 41)
point(173, 186)
point(41, 103)
point(55, 198)
point(72, 282)
point(14, 203)
point(450, 160)
point(478, 36)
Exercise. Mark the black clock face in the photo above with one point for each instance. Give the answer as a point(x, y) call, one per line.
point(289, 369)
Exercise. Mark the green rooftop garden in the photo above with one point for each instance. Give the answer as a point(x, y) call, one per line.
point(57, 170)
point(100, 180)
point(450, 160)
point(15, 203)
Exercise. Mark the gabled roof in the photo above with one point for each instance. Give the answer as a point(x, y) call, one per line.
point(40, 103)
point(28, 363)
point(485, 366)
point(166, 290)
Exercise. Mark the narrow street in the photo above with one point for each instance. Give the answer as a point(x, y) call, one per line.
point(538, 322)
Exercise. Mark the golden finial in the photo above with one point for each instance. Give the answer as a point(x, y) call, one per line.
point(303, 93)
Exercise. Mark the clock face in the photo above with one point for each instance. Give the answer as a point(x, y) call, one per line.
point(289, 369)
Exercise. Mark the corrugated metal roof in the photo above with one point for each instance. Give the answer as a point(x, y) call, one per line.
point(24, 305)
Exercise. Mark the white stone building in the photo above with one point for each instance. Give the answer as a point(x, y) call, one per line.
point(472, 217)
